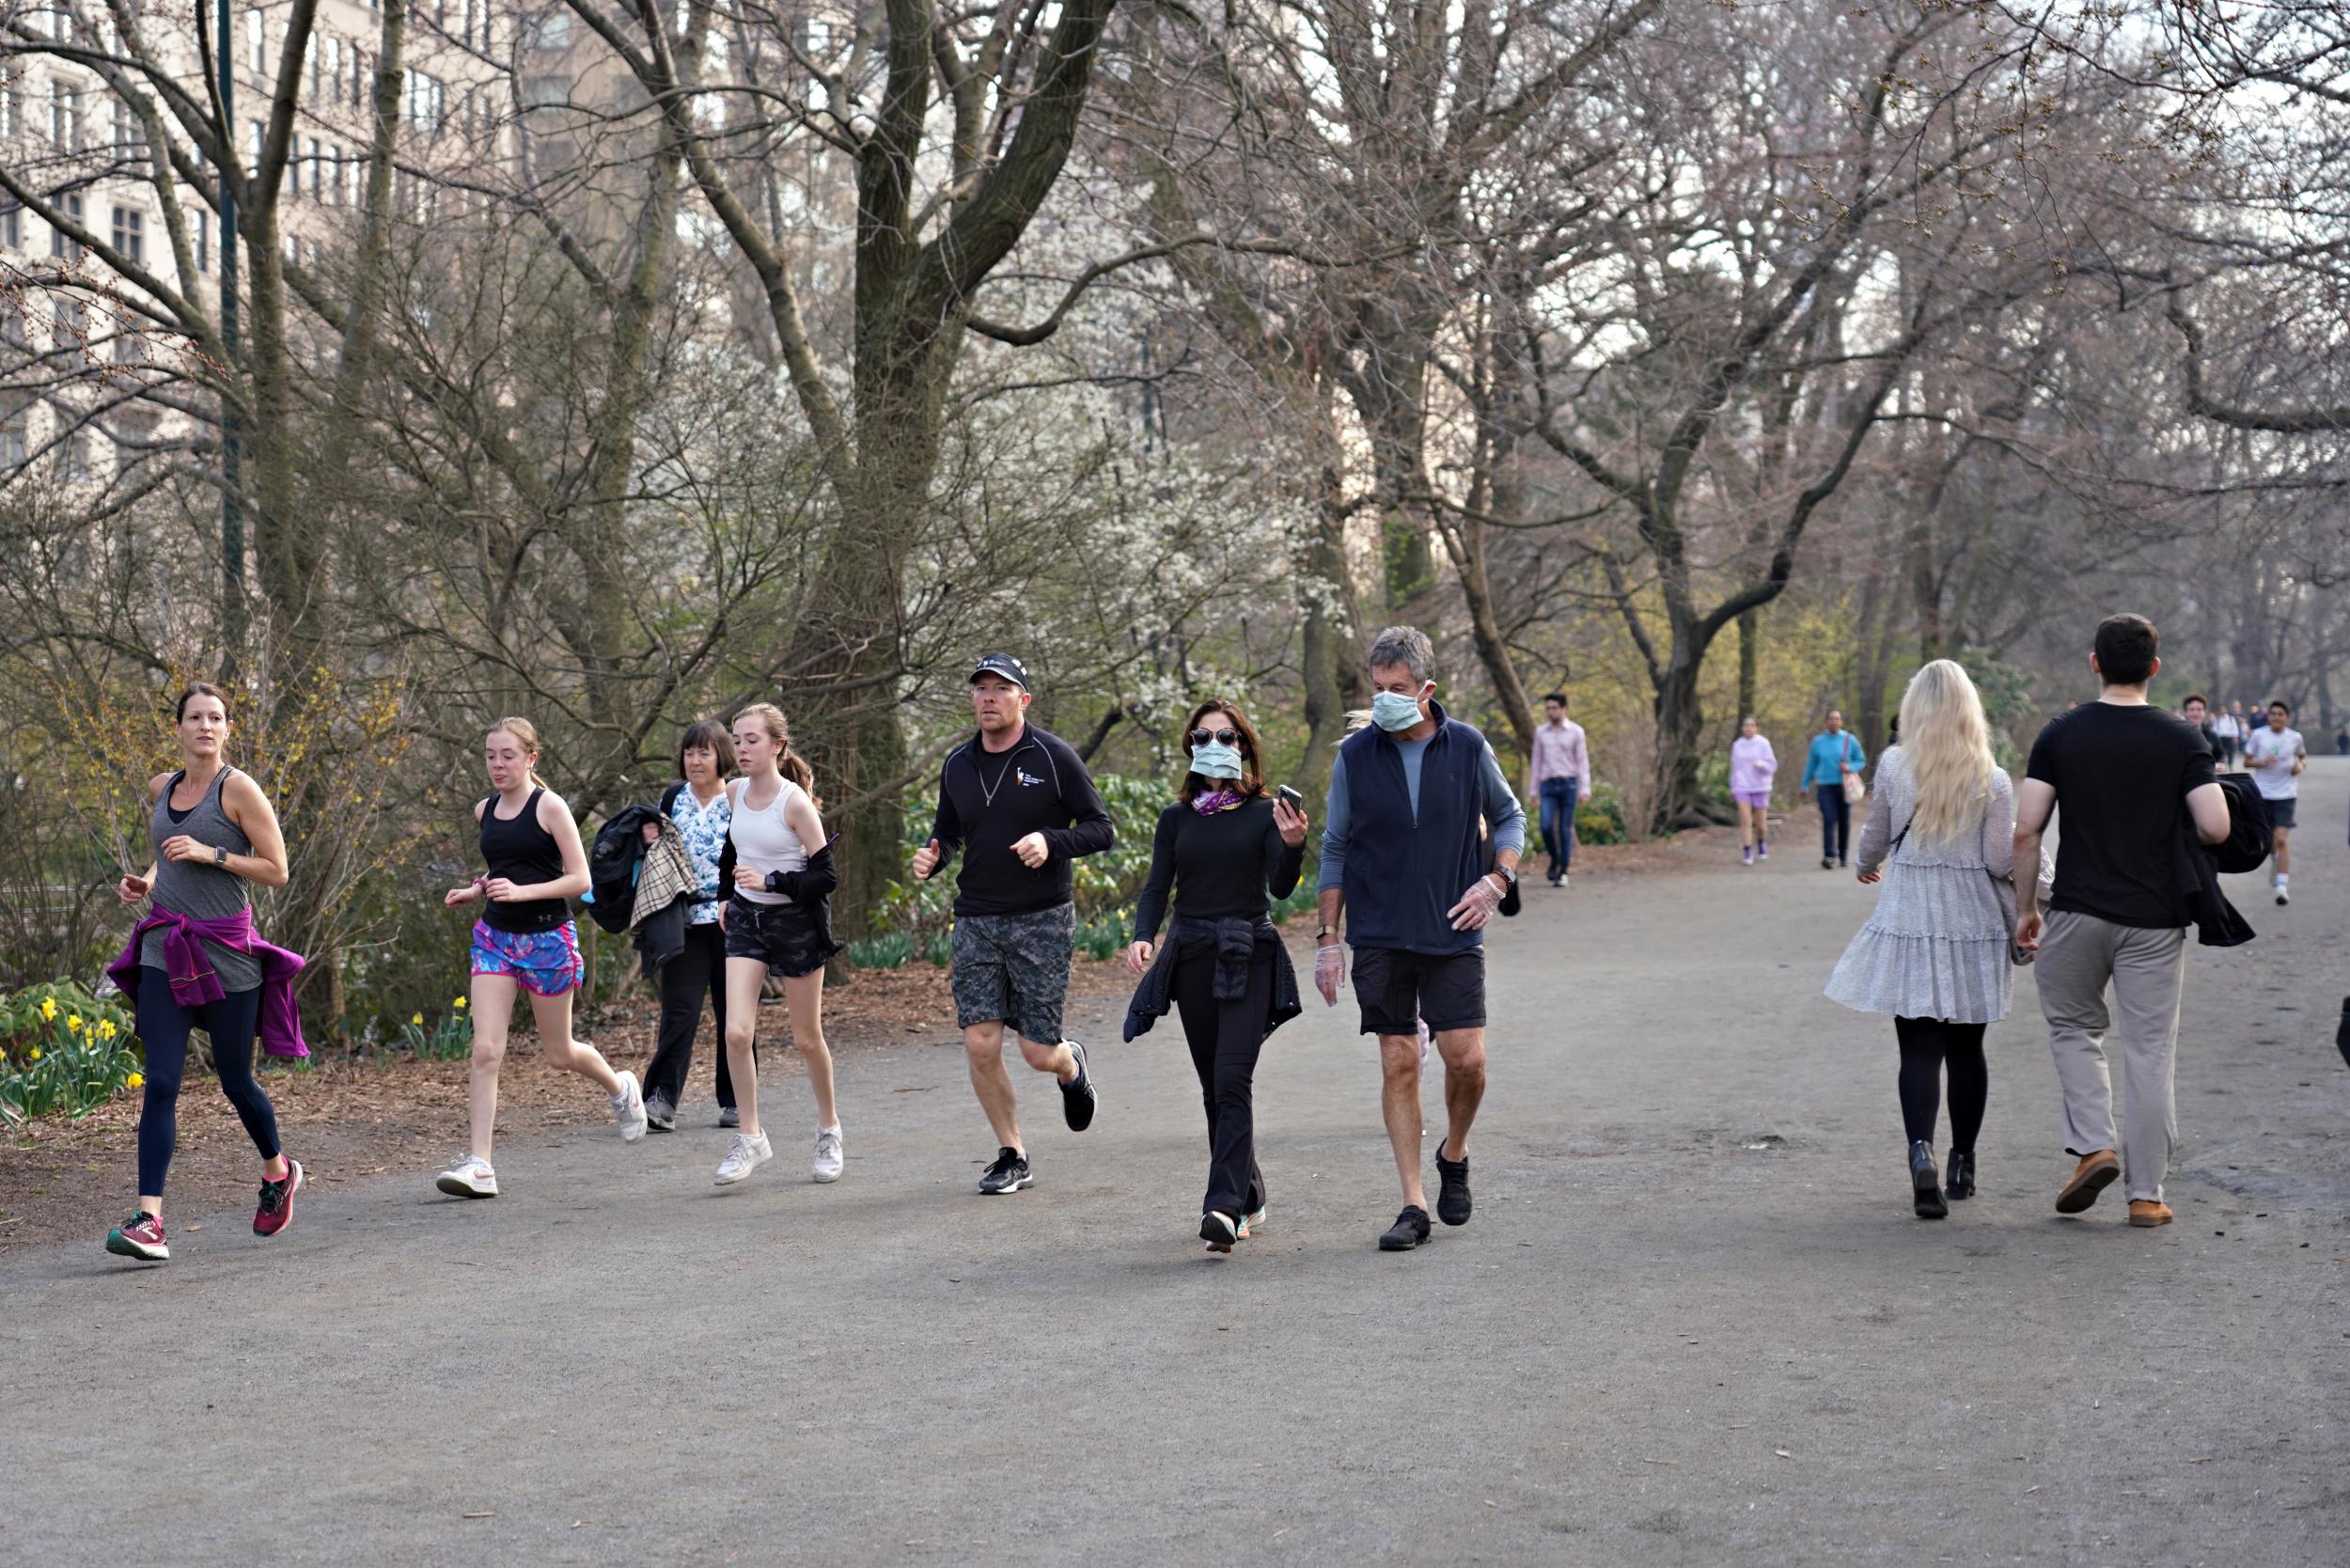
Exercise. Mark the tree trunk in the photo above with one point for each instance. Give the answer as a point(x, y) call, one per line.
point(1749, 661)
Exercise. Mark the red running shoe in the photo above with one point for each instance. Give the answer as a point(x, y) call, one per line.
point(140, 1236)
point(276, 1210)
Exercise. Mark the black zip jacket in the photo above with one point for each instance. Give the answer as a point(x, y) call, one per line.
point(990, 800)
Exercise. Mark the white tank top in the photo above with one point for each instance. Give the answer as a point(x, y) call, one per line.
point(764, 841)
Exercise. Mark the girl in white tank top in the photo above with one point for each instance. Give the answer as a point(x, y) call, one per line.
point(764, 839)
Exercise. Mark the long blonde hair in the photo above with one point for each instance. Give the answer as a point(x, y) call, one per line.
point(790, 764)
point(526, 732)
point(1947, 742)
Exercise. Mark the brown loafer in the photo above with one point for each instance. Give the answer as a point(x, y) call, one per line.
point(2097, 1171)
point(2147, 1212)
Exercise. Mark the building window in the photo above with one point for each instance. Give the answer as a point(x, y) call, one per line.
point(329, 61)
point(11, 100)
point(555, 29)
point(60, 244)
point(358, 76)
point(203, 240)
point(256, 42)
point(65, 115)
point(12, 225)
point(131, 235)
point(73, 458)
point(255, 133)
point(15, 451)
point(69, 327)
point(317, 172)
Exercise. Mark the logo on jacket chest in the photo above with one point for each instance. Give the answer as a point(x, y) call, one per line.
point(1024, 777)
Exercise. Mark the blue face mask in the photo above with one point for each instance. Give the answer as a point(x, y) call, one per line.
point(1393, 711)
point(1216, 760)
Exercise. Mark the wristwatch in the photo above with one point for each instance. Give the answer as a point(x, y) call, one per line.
point(220, 856)
point(1508, 874)
point(1325, 935)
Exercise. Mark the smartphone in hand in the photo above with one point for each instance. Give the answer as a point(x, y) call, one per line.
point(1296, 802)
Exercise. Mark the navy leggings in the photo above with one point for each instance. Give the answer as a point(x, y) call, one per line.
point(163, 1026)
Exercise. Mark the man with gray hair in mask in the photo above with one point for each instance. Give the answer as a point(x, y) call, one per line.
point(1404, 860)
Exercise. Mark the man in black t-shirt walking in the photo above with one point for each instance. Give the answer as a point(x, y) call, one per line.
point(1018, 803)
point(2127, 780)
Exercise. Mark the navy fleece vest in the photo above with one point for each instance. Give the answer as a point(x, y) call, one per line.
point(1401, 875)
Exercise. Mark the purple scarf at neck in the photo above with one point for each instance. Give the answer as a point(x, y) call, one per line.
point(1215, 801)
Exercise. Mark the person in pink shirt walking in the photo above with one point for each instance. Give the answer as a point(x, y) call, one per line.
point(1752, 767)
point(1562, 772)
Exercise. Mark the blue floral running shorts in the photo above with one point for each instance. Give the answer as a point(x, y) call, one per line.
point(543, 962)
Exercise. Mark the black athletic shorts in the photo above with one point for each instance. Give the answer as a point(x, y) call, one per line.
point(2279, 812)
point(786, 937)
point(1398, 989)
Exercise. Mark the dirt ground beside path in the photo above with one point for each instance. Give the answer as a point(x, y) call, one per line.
point(1693, 1321)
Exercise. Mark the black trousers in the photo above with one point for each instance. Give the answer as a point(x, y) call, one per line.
point(699, 972)
point(1225, 1037)
point(1835, 822)
point(1928, 1046)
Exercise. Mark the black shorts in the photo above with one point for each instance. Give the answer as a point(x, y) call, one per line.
point(786, 937)
point(1398, 989)
point(2279, 812)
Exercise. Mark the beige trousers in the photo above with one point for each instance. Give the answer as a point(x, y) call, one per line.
point(2081, 958)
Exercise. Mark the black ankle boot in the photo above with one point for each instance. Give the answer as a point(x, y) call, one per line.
point(1960, 1183)
point(1925, 1185)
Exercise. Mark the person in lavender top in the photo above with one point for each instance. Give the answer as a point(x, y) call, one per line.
point(1752, 767)
point(1561, 768)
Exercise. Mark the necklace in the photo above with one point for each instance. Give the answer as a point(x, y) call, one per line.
point(987, 790)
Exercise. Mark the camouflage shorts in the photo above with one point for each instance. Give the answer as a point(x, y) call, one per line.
point(1015, 968)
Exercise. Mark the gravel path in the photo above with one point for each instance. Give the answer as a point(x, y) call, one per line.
point(1692, 1323)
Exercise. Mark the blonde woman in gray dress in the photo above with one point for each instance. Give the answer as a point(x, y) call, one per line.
point(1935, 955)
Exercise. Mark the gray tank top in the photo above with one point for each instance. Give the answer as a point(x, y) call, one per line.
point(197, 888)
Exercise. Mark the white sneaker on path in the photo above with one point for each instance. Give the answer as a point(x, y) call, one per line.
point(629, 1106)
point(745, 1155)
point(828, 1155)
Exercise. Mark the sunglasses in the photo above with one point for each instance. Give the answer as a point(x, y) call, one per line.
point(1198, 738)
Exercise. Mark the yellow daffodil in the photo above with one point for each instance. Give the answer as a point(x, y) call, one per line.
point(73, 1021)
point(136, 1080)
point(36, 1053)
point(417, 1018)
point(459, 1002)
point(107, 1029)
point(48, 1008)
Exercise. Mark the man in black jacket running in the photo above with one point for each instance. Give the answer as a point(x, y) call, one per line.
point(1020, 805)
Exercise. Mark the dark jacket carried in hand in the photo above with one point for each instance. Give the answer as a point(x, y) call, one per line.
point(2198, 865)
point(1234, 943)
point(989, 801)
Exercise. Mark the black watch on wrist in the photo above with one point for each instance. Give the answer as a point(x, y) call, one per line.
point(220, 856)
point(1508, 873)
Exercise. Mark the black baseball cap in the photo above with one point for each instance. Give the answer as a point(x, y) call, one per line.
point(1004, 665)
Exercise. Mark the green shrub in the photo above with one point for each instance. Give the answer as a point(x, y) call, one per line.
point(1599, 818)
point(64, 1052)
point(450, 1040)
point(890, 951)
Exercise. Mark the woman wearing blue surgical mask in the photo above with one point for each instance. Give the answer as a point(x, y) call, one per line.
point(1224, 850)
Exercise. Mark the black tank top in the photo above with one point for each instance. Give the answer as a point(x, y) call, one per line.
point(525, 853)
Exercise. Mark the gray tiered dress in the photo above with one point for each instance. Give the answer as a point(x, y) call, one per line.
point(1937, 946)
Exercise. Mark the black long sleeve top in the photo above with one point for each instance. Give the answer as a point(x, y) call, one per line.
point(989, 801)
point(1228, 865)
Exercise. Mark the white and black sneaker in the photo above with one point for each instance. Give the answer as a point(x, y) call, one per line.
point(1078, 1099)
point(660, 1115)
point(1009, 1172)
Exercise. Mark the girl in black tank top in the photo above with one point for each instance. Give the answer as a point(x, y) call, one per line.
point(524, 941)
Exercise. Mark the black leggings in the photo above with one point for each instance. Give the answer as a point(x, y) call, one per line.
point(163, 1026)
point(1225, 1037)
point(1927, 1045)
point(698, 973)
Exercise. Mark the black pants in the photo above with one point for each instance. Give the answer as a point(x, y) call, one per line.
point(163, 1026)
point(1225, 1037)
point(698, 971)
point(1835, 823)
point(1929, 1045)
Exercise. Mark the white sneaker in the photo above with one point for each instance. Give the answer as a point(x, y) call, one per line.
point(628, 1106)
point(746, 1154)
point(469, 1178)
point(828, 1155)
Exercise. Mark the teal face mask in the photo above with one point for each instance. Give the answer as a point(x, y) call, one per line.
point(1393, 711)
point(1216, 760)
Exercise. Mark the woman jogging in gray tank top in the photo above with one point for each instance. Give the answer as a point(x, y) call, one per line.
point(193, 964)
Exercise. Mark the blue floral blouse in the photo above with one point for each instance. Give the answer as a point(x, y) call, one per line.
point(704, 829)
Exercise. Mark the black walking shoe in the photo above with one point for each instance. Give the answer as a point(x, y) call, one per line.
point(1453, 1193)
point(1009, 1172)
point(1219, 1230)
point(1409, 1230)
point(1960, 1183)
point(1926, 1186)
point(1826, 864)
point(1078, 1099)
point(660, 1115)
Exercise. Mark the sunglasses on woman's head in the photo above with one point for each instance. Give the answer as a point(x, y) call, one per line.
point(1201, 737)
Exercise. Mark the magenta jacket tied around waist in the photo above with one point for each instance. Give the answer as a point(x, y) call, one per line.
point(195, 983)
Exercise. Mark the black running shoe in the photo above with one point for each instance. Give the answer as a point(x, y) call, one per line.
point(1453, 1193)
point(1409, 1230)
point(1077, 1098)
point(1009, 1172)
point(1219, 1230)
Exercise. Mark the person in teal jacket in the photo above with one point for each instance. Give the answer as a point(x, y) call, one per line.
point(1834, 753)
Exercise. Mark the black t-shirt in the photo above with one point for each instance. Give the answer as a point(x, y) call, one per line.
point(1226, 865)
point(2120, 775)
